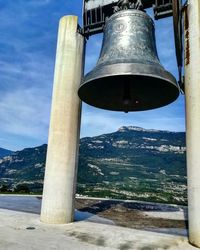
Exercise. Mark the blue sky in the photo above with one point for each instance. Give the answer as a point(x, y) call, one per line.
point(28, 35)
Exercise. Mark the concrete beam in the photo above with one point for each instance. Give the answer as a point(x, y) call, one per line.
point(192, 95)
point(61, 163)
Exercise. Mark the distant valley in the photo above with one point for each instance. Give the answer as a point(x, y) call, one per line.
point(131, 163)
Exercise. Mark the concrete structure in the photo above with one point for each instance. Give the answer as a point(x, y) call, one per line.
point(192, 94)
point(61, 163)
point(21, 229)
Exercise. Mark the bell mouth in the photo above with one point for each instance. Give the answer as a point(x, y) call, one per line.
point(128, 91)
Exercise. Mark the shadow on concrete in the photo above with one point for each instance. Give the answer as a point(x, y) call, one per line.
point(101, 206)
point(135, 215)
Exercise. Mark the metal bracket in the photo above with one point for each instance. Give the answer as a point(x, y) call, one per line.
point(95, 12)
point(162, 9)
point(177, 21)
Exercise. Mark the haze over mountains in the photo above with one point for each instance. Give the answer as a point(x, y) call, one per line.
point(131, 163)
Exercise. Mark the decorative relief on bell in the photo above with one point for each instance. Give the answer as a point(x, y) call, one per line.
point(120, 27)
point(128, 39)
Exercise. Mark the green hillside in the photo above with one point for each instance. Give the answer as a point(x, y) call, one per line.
point(131, 163)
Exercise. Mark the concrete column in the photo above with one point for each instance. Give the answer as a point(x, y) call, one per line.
point(61, 162)
point(192, 94)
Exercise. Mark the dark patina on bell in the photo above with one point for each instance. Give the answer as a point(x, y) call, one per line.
point(128, 75)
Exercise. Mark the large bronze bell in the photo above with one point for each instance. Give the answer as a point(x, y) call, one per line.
point(128, 75)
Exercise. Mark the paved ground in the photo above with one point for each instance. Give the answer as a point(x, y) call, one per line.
point(21, 229)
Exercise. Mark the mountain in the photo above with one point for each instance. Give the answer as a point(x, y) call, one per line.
point(134, 163)
point(5, 152)
point(131, 163)
point(25, 167)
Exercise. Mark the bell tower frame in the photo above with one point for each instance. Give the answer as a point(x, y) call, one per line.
point(61, 164)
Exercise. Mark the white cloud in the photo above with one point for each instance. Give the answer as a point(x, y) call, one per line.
point(25, 105)
point(25, 112)
point(92, 53)
point(96, 121)
point(39, 2)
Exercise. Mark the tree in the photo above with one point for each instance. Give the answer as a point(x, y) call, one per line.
point(4, 188)
point(22, 188)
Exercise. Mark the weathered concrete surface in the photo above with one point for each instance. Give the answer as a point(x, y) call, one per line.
point(24, 231)
point(192, 94)
point(171, 219)
point(61, 163)
point(14, 234)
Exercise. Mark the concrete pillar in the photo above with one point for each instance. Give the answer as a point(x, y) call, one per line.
point(61, 162)
point(192, 95)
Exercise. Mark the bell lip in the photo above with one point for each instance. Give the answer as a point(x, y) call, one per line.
point(148, 75)
point(171, 79)
point(87, 78)
point(130, 110)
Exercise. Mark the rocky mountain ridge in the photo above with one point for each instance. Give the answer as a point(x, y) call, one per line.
point(131, 163)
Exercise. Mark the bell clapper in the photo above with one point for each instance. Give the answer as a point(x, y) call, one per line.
point(126, 97)
point(126, 102)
